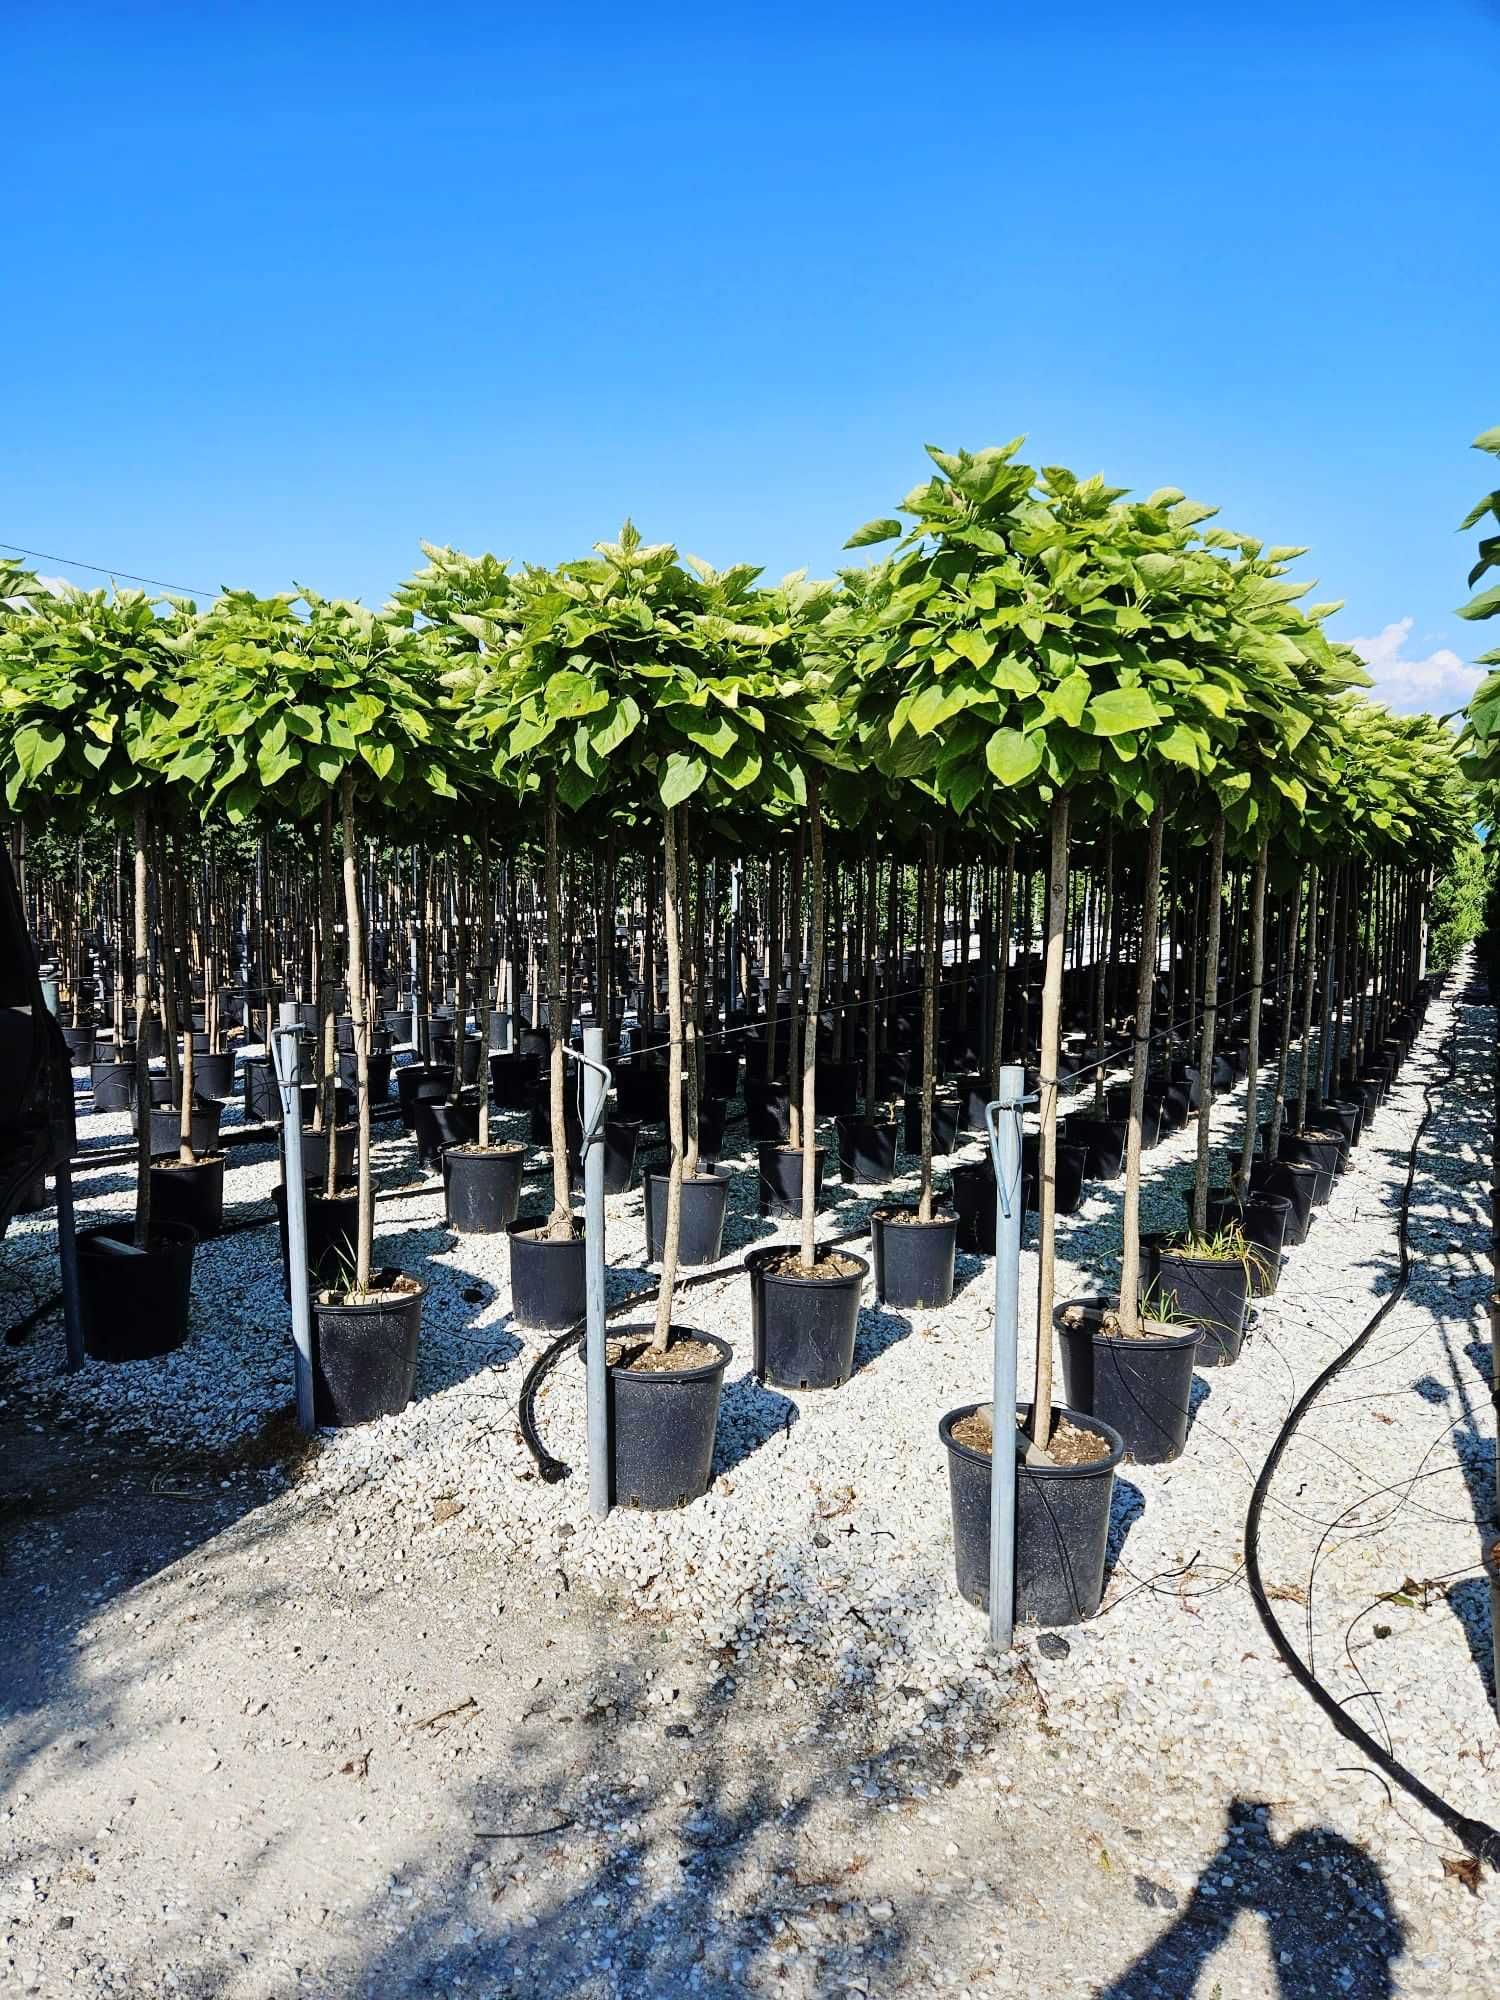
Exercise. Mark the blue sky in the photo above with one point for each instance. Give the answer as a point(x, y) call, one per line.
point(281, 299)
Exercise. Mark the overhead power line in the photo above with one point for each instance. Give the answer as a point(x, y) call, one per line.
point(101, 569)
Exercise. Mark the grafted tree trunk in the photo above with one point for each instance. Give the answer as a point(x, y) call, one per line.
point(1257, 987)
point(1145, 983)
point(1052, 983)
point(1214, 896)
point(354, 924)
point(810, 1044)
point(142, 942)
point(672, 1229)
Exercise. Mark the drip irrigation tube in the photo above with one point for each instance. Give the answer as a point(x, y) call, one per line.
point(1475, 1835)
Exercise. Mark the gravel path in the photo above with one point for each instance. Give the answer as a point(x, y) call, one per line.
point(1139, 1786)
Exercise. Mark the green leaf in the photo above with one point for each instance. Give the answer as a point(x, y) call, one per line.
point(681, 776)
point(36, 748)
point(1489, 441)
point(1485, 605)
point(883, 530)
point(1121, 709)
point(614, 726)
point(971, 645)
point(381, 758)
point(1011, 756)
point(1179, 745)
point(1069, 697)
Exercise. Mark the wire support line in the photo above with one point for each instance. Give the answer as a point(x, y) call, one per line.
point(102, 569)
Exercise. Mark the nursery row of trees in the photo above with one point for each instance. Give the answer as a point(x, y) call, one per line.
point(1041, 673)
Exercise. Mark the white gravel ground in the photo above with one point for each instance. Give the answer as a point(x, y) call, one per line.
point(823, 1551)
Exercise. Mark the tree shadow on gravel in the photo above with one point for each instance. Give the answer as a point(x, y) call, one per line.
point(877, 1332)
point(1330, 1919)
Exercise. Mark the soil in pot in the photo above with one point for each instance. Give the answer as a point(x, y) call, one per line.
point(482, 1187)
point(705, 1202)
point(546, 1276)
point(781, 1178)
point(663, 1415)
point(365, 1350)
point(1139, 1384)
point(803, 1318)
point(913, 1260)
point(1211, 1292)
point(134, 1304)
point(1062, 1514)
point(867, 1150)
point(189, 1195)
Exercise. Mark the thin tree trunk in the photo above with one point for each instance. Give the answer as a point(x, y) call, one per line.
point(328, 1003)
point(931, 948)
point(1214, 897)
point(810, 1040)
point(1287, 988)
point(487, 934)
point(354, 924)
point(1101, 968)
point(1309, 989)
point(1052, 983)
point(1002, 965)
point(1257, 986)
point(1145, 987)
point(672, 1230)
point(142, 1020)
point(560, 1225)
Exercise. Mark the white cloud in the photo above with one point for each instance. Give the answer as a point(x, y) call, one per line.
point(1438, 683)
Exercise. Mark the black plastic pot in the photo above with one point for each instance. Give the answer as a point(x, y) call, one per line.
point(1072, 1166)
point(1323, 1150)
point(767, 1109)
point(781, 1178)
point(913, 1260)
point(80, 1046)
point(1263, 1222)
point(1103, 1140)
point(192, 1197)
point(713, 1113)
point(332, 1233)
point(1213, 1293)
point(838, 1087)
point(513, 1080)
point(421, 1083)
point(1142, 1388)
point(662, 1426)
point(258, 1081)
point(166, 1128)
point(621, 1139)
point(365, 1355)
point(867, 1151)
point(546, 1277)
point(213, 1075)
point(1341, 1118)
point(1297, 1184)
point(1370, 1090)
point(113, 1085)
point(438, 1125)
point(944, 1124)
point(720, 1072)
point(641, 1092)
point(974, 1095)
point(1062, 1524)
point(315, 1152)
point(482, 1190)
point(976, 1204)
point(134, 1304)
point(803, 1328)
point(705, 1202)
point(379, 1069)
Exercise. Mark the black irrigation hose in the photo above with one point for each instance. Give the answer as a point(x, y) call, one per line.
point(1475, 1835)
point(554, 1469)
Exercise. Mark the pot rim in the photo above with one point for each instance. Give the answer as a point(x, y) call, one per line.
point(354, 1308)
point(909, 1220)
point(754, 1259)
point(527, 1226)
point(1096, 1307)
point(716, 1175)
point(1096, 1470)
point(472, 1150)
point(669, 1377)
point(178, 1235)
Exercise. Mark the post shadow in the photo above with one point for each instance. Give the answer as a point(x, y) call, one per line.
point(1330, 1921)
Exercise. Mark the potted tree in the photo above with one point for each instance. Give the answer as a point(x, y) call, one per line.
point(337, 705)
point(88, 700)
